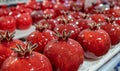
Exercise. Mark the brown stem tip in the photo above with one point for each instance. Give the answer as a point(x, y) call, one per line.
point(20, 50)
point(7, 36)
point(41, 27)
point(94, 26)
point(63, 36)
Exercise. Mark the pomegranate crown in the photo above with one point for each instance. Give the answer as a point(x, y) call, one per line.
point(26, 50)
point(7, 36)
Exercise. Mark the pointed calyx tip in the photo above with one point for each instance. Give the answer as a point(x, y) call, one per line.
point(24, 50)
point(94, 26)
point(64, 35)
point(7, 36)
point(41, 27)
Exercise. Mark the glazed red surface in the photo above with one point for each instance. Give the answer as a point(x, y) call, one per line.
point(117, 20)
point(83, 23)
point(34, 62)
point(47, 5)
point(98, 18)
point(33, 5)
point(4, 11)
point(24, 21)
point(114, 32)
point(14, 12)
point(76, 15)
point(36, 16)
point(95, 43)
point(60, 8)
point(7, 23)
point(65, 55)
point(112, 12)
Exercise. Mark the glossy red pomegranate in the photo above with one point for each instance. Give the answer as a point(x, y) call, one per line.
point(113, 30)
point(95, 42)
point(83, 23)
point(73, 28)
point(6, 43)
point(24, 59)
point(41, 36)
point(7, 23)
point(64, 53)
point(36, 16)
point(24, 21)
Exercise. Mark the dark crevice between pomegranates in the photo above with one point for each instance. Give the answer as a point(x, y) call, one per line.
point(3, 6)
point(98, 11)
point(63, 36)
point(47, 16)
point(112, 4)
point(86, 16)
point(6, 37)
point(94, 5)
point(23, 51)
point(41, 27)
point(64, 20)
point(110, 20)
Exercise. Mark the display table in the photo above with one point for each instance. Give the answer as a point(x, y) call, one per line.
point(111, 65)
